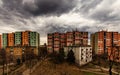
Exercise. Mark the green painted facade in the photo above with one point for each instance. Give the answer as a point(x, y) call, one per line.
point(34, 39)
point(18, 38)
point(4, 40)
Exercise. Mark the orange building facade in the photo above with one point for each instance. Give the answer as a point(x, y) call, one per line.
point(25, 38)
point(11, 39)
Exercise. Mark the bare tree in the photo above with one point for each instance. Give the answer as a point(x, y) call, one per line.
point(113, 56)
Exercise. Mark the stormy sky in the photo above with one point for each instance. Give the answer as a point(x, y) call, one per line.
point(45, 16)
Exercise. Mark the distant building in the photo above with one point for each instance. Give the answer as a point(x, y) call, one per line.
point(83, 54)
point(57, 40)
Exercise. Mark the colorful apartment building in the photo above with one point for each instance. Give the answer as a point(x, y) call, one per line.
point(23, 38)
point(57, 40)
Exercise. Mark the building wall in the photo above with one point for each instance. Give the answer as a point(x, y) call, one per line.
point(4, 40)
point(56, 41)
point(50, 42)
point(62, 40)
point(85, 38)
point(18, 38)
point(108, 39)
point(115, 38)
point(77, 38)
point(34, 39)
point(11, 39)
point(69, 39)
point(96, 43)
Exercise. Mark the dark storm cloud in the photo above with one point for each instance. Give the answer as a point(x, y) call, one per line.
point(50, 7)
point(15, 11)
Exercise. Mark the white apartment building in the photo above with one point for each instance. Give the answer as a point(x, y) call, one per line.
point(83, 54)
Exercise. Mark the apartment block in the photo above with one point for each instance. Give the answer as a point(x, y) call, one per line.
point(4, 40)
point(100, 41)
point(57, 40)
point(83, 54)
point(11, 39)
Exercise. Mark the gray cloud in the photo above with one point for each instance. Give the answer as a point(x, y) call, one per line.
point(46, 16)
